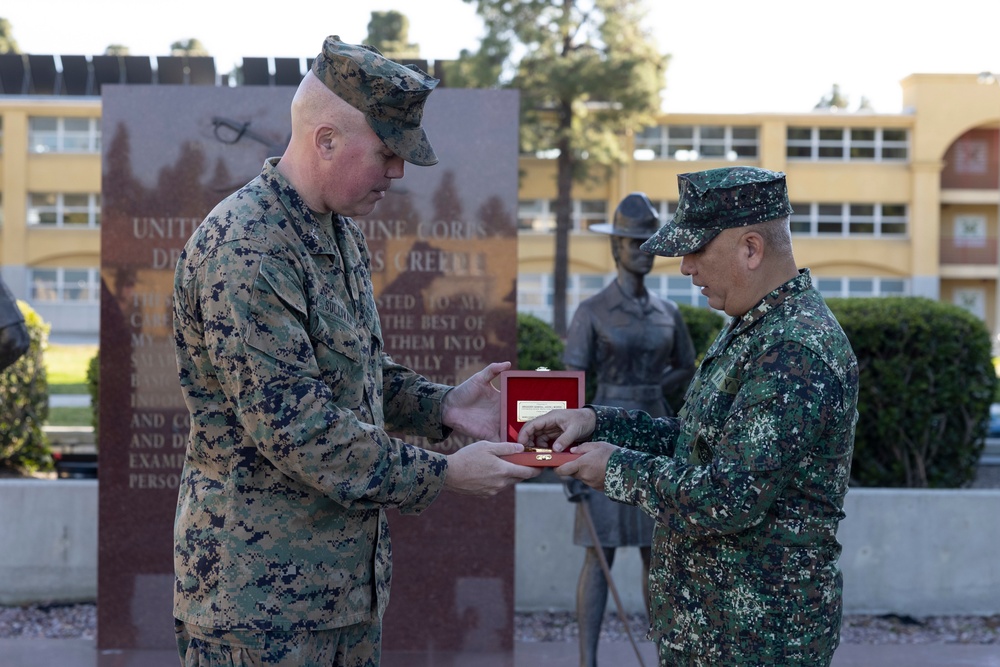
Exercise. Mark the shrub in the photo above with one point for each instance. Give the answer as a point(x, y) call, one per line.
point(94, 388)
point(704, 324)
point(538, 344)
point(926, 384)
point(24, 403)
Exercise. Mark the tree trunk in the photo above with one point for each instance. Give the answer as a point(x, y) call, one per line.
point(564, 222)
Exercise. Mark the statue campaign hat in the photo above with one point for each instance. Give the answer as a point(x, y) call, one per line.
point(718, 199)
point(390, 95)
point(635, 218)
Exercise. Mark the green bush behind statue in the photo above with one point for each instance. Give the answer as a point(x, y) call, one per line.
point(24, 403)
point(926, 383)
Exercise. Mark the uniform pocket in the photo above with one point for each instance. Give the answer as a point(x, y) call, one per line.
point(277, 316)
point(341, 358)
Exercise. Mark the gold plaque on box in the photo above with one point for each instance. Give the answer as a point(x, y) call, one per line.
point(528, 410)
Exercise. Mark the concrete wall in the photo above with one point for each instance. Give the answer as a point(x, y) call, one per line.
point(48, 541)
point(906, 551)
point(915, 552)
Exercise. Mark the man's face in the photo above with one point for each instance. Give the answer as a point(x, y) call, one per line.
point(360, 172)
point(719, 269)
point(631, 258)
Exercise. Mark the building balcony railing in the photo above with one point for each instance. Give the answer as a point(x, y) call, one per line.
point(965, 250)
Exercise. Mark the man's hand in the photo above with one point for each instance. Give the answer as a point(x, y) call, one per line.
point(559, 429)
point(477, 470)
point(473, 407)
point(592, 466)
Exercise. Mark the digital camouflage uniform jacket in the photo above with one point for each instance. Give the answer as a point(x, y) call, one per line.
point(280, 522)
point(747, 486)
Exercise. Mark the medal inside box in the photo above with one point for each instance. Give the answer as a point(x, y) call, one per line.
point(528, 394)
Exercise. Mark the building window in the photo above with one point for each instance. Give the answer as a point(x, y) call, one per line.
point(874, 220)
point(696, 142)
point(64, 210)
point(970, 231)
point(535, 293)
point(845, 144)
point(861, 287)
point(678, 289)
point(539, 215)
point(65, 285)
point(48, 134)
point(665, 210)
point(971, 299)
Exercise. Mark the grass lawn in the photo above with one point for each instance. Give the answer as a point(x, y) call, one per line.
point(66, 367)
point(70, 417)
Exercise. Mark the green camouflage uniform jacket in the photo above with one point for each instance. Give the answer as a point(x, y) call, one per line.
point(747, 487)
point(280, 522)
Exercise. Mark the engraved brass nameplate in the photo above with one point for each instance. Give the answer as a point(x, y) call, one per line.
point(528, 410)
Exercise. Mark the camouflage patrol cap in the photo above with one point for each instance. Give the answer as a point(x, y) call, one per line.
point(718, 199)
point(635, 218)
point(390, 95)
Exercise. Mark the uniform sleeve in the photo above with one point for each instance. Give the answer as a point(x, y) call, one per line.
point(636, 430)
point(257, 331)
point(776, 421)
point(412, 402)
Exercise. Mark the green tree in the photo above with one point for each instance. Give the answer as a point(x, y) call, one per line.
point(7, 42)
point(588, 73)
point(834, 100)
point(188, 47)
point(389, 32)
point(116, 50)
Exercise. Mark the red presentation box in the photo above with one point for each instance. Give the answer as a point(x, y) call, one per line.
point(525, 395)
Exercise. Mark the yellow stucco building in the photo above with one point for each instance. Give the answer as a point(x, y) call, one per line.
point(885, 203)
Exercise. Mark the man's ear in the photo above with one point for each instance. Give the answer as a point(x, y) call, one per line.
point(325, 138)
point(752, 245)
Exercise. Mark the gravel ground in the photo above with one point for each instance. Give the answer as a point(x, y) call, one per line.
point(857, 629)
point(80, 621)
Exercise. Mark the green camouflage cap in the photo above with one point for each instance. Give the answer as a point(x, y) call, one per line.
point(718, 199)
point(635, 218)
point(390, 95)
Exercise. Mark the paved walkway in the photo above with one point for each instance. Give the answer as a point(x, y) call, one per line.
point(69, 400)
point(82, 653)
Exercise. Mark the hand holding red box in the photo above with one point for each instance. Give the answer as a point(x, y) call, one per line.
point(525, 395)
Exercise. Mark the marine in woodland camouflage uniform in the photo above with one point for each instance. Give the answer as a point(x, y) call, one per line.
point(747, 484)
point(280, 528)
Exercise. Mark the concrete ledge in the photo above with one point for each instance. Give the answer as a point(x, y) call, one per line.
point(906, 551)
point(49, 547)
point(921, 552)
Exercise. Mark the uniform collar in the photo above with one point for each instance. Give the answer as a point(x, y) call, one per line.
point(774, 299)
point(307, 227)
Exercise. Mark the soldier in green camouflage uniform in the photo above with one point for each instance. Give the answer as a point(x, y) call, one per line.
point(747, 484)
point(282, 553)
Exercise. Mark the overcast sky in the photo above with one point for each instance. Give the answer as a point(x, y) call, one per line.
point(726, 55)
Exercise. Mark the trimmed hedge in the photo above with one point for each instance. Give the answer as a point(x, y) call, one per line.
point(926, 384)
point(538, 344)
point(703, 324)
point(94, 389)
point(24, 403)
